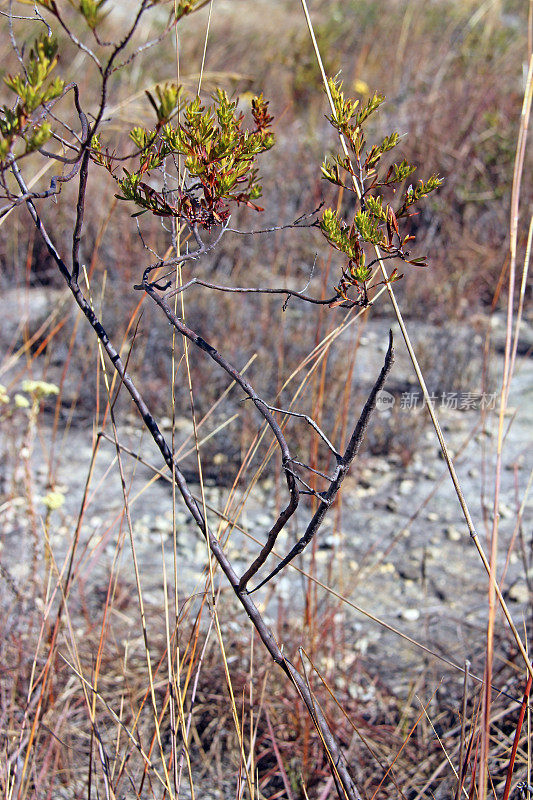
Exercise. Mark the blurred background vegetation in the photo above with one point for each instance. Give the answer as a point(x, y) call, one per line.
point(453, 75)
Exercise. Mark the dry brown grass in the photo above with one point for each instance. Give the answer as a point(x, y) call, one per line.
point(453, 80)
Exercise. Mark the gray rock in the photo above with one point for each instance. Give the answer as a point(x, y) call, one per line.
point(410, 614)
point(453, 534)
point(519, 593)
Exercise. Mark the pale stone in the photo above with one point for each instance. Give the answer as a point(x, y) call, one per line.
point(410, 614)
point(453, 534)
point(519, 593)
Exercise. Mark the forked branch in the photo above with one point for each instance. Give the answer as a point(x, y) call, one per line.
point(207, 206)
point(344, 782)
point(341, 471)
point(262, 407)
point(344, 461)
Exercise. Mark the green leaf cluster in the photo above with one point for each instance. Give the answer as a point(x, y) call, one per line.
point(92, 11)
point(98, 155)
point(414, 194)
point(347, 119)
point(34, 89)
point(401, 172)
point(347, 239)
point(332, 169)
point(375, 207)
point(342, 236)
point(218, 153)
point(374, 222)
point(184, 7)
point(144, 196)
point(166, 102)
point(368, 226)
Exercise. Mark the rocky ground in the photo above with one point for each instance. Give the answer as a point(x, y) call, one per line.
point(398, 549)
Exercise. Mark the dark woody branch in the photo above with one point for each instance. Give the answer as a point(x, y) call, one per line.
point(343, 466)
point(263, 408)
point(251, 290)
point(56, 180)
point(345, 785)
point(343, 462)
point(81, 161)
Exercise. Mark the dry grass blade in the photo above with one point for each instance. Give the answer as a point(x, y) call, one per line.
point(516, 740)
point(112, 683)
point(507, 376)
point(422, 382)
point(142, 614)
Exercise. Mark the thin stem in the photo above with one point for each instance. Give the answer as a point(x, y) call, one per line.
point(245, 289)
point(263, 409)
point(350, 453)
point(429, 403)
point(313, 424)
point(194, 255)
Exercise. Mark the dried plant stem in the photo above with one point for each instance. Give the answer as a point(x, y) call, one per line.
point(506, 381)
point(343, 465)
point(211, 580)
point(429, 403)
point(137, 582)
point(516, 739)
point(462, 766)
point(334, 753)
point(264, 410)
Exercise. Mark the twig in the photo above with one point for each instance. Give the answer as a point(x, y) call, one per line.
point(77, 42)
point(38, 223)
point(462, 766)
point(315, 427)
point(516, 740)
point(244, 289)
point(263, 409)
point(298, 223)
point(311, 469)
point(340, 473)
point(308, 489)
point(146, 45)
point(193, 255)
point(56, 179)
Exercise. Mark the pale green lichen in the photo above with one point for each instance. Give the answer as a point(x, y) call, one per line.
point(21, 401)
point(54, 500)
point(39, 389)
